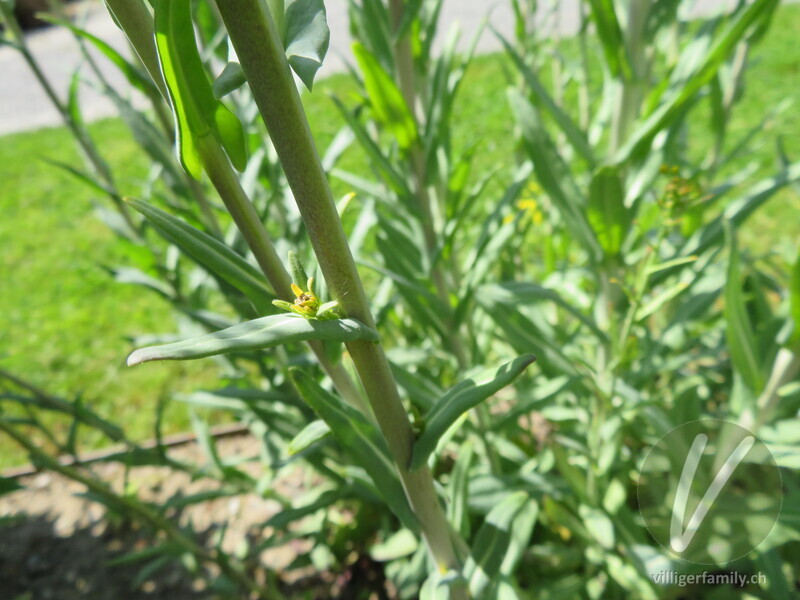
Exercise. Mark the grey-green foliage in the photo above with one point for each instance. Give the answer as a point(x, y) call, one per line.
point(624, 278)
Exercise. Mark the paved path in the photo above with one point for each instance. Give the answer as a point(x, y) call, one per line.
point(24, 106)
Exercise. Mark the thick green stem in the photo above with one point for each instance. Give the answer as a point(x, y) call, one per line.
point(257, 43)
point(227, 184)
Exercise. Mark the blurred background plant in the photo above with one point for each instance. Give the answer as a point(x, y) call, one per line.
point(601, 236)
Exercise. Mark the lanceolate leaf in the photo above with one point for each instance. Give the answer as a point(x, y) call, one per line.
point(686, 88)
point(794, 302)
point(361, 440)
point(571, 130)
point(306, 37)
point(610, 33)
point(134, 75)
point(499, 543)
point(385, 98)
point(230, 80)
point(197, 112)
point(518, 293)
point(606, 210)
point(460, 399)
point(258, 334)
point(741, 340)
point(312, 433)
point(553, 173)
point(210, 253)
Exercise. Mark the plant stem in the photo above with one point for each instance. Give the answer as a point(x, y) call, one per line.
point(257, 43)
point(226, 181)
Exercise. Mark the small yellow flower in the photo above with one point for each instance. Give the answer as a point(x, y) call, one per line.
point(306, 304)
point(530, 208)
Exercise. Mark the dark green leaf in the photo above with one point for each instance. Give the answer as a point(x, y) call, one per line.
point(466, 395)
point(794, 302)
point(197, 113)
point(606, 209)
point(133, 74)
point(210, 253)
point(385, 98)
point(306, 37)
point(501, 533)
point(553, 173)
point(230, 80)
point(8, 485)
point(312, 433)
point(604, 16)
point(362, 441)
point(741, 340)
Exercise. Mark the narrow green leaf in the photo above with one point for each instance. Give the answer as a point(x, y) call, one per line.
point(794, 302)
point(571, 130)
point(522, 334)
point(299, 275)
point(660, 300)
point(73, 100)
point(553, 173)
point(422, 391)
point(385, 98)
point(230, 80)
point(324, 500)
point(689, 84)
point(393, 178)
point(739, 331)
point(598, 524)
point(362, 441)
point(466, 395)
point(312, 433)
point(606, 209)
point(398, 545)
point(209, 253)
point(306, 37)
point(493, 540)
point(604, 16)
point(197, 112)
point(675, 262)
point(258, 334)
point(517, 293)
point(132, 74)
point(93, 182)
point(458, 507)
point(151, 139)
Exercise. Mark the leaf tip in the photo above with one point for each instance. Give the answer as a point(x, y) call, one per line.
point(135, 358)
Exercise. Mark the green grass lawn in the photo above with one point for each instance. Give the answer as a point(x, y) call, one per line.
point(65, 325)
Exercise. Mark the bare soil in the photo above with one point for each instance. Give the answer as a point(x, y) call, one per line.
point(56, 543)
